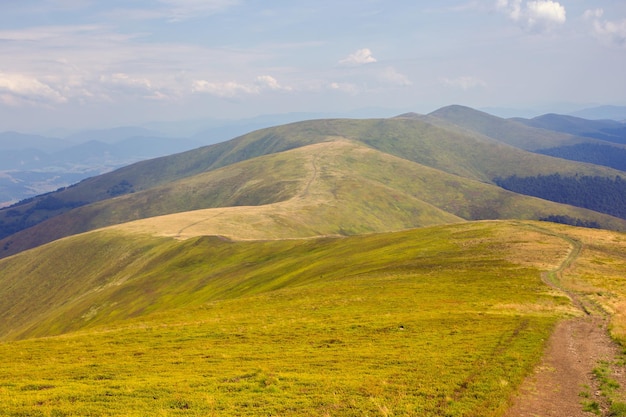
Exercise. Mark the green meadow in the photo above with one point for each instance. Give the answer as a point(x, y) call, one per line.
point(438, 321)
point(321, 268)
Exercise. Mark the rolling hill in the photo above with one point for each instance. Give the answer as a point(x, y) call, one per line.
point(599, 142)
point(462, 187)
point(608, 130)
point(328, 267)
point(431, 320)
point(509, 131)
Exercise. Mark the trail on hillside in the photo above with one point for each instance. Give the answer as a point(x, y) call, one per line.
point(564, 385)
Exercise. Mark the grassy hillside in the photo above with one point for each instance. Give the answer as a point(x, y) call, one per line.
point(457, 152)
point(336, 187)
point(606, 130)
point(446, 319)
point(513, 132)
point(147, 174)
point(599, 271)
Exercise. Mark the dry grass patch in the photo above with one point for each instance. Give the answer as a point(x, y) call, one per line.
point(599, 271)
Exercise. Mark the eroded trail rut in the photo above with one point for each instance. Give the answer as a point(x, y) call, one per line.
point(564, 381)
point(574, 350)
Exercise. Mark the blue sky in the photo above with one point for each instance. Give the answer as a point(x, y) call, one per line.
point(88, 63)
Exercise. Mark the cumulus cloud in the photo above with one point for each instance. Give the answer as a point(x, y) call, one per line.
point(231, 89)
point(269, 82)
point(535, 14)
point(392, 76)
point(129, 85)
point(610, 31)
point(465, 82)
point(18, 89)
point(549, 11)
point(360, 57)
point(223, 89)
point(126, 80)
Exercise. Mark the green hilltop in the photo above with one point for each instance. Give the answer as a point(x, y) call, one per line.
point(457, 170)
point(510, 131)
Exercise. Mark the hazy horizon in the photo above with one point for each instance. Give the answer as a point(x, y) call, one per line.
point(78, 64)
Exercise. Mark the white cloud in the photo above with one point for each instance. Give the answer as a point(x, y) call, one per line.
point(609, 31)
point(93, 63)
point(593, 13)
point(231, 89)
point(179, 10)
point(47, 33)
point(127, 85)
point(17, 89)
point(173, 10)
point(344, 87)
point(392, 76)
point(534, 15)
point(512, 8)
point(546, 10)
point(360, 57)
point(223, 89)
point(126, 80)
point(269, 82)
point(465, 82)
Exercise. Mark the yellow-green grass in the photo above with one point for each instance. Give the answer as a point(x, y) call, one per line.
point(346, 189)
point(442, 321)
point(102, 276)
point(599, 272)
point(258, 169)
point(337, 187)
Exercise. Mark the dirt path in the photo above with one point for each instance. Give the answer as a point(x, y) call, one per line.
point(574, 350)
point(564, 385)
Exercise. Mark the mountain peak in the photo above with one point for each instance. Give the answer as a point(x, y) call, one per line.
point(459, 110)
point(409, 115)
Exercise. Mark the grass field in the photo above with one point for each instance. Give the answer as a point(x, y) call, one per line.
point(599, 273)
point(263, 276)
point(442, 321)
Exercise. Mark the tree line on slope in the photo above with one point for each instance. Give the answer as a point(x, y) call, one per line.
point(601, 194)
point(605, 155)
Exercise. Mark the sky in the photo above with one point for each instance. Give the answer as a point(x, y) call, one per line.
point(93, 63)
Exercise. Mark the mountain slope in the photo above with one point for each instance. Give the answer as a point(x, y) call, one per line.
point(607, 130)
point(508, 131)
point(401, 322)
point(466, 154)
point(330, 188)
point(353, 190)
point(51, 290)
point(440, 319)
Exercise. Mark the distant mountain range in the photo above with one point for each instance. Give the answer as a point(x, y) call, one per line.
point(617, 113)
point(468, 161)
point(34, 164)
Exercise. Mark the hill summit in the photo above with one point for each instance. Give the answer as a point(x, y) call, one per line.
point(369, 175)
